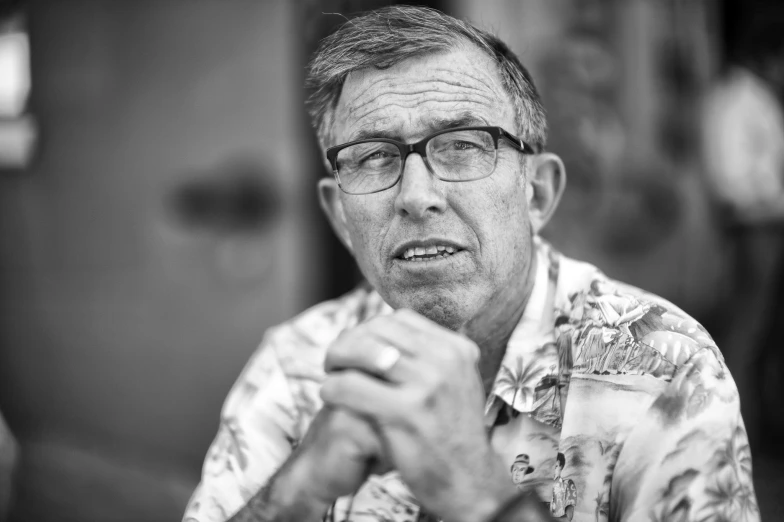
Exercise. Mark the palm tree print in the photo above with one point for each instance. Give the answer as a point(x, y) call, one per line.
point(731, 491)
point(520, 379)
point(728, 492)
point(609, 452)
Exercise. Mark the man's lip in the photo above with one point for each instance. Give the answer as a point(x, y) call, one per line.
point(424, 243)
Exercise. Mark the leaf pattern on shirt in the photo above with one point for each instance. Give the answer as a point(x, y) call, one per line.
point(721, 491)
point(518, 380)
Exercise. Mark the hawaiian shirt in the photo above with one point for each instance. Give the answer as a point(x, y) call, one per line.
point(564, 495)
point(621, 389)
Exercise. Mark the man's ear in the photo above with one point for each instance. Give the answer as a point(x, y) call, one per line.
point(545, 185)
point(331, 204)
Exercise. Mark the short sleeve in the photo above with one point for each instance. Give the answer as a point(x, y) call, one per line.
point(688, 458)
point(571, 493)
point(258, 428)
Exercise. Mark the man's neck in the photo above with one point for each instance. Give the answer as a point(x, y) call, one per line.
point(492, 331)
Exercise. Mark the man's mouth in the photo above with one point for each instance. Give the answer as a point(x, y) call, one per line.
point(415, 254)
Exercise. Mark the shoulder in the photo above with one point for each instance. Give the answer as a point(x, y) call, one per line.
point(619, 328)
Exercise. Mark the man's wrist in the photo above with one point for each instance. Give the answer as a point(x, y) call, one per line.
point(492, 504)
point(494, 492)
point(285, 498)
point(299, 481)
point(526, 506)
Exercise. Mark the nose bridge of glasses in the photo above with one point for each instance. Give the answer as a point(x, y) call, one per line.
point(420, 148)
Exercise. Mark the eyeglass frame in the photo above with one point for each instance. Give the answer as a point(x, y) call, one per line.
point(420, 147)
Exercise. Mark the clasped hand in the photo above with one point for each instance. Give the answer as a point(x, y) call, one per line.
point(420, 413)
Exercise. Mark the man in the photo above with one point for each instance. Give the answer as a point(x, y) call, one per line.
point(404, 399)
point(564, 492)
point(520, 469)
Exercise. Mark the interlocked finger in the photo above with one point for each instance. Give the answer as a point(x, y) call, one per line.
point(371, 355)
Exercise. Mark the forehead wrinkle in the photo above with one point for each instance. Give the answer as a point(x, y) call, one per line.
point(410, 101)
point(487, 81)
point(387, 100)
point(366, 105)
point(442, 86)
point(426, 119)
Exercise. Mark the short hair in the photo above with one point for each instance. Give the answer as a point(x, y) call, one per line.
point(387, 36)
point(561, 459)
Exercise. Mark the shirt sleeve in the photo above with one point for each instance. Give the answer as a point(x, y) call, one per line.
point(571, 494)
point(258, 429)
point(688, 458)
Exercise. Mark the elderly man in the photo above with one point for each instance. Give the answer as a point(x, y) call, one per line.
point(409, 398)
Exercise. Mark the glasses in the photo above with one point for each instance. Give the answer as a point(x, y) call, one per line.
point(459, 154)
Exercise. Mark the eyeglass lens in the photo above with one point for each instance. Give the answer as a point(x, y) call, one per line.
point(462, 155)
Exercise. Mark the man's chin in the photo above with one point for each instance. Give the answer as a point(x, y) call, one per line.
point(446, 310)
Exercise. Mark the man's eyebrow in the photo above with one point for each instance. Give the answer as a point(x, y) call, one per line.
point(367, 134)
point(465, 119)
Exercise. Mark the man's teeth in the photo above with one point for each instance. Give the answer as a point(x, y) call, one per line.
point(422, 253)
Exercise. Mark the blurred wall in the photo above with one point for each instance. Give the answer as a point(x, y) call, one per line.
point(123, 323)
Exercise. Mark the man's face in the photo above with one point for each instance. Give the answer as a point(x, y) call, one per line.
point(486, 221)
point(518, 473)
point(557, 470)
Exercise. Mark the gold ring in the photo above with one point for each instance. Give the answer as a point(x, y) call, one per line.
point(387, 359)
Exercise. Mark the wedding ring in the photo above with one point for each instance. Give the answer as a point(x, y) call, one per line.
point(387, 359)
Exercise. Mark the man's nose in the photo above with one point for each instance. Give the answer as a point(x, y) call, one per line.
point(420, 193)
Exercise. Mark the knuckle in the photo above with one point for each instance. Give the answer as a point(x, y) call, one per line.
point(331, 389)
point(465, 352)
point(424, 400)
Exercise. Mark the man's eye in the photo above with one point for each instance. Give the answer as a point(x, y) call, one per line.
point(464, 145)
point(376, 156)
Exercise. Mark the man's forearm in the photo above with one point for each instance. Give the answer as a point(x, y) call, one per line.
point(282, 499)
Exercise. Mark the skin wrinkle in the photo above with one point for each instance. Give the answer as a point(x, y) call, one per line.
point(444, 78)
point(434, 97)
point(486, 85)
point(374, 129)
point(443, 87)
point(366, 109)
point(408, 100)
point(380, 128)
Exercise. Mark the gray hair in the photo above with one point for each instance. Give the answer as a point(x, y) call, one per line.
point(389, 35)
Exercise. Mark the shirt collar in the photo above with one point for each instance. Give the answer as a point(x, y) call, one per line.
point(527, 380)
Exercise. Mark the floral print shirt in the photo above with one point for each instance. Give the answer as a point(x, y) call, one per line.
point(622, 390)
point(564, 495)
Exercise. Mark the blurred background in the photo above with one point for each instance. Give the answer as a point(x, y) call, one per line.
point(158, 211)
